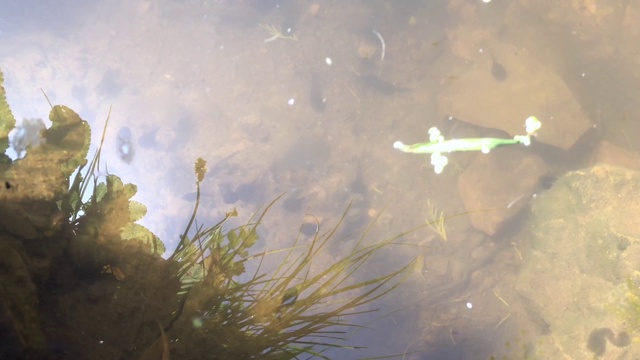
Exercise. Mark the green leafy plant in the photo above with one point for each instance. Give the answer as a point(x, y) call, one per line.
point(100, 213)
point(105, 223)
point(55, 232)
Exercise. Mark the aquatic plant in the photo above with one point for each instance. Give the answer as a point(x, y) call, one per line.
point(101, 213)
point(435, 220)
point(53, 228)
point(293, 310)
point(83, 226)
point(437, 145)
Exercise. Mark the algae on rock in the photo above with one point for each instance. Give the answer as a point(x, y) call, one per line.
point(584, 245)
point(35, 183)
point(39, 227)
point(627, 305)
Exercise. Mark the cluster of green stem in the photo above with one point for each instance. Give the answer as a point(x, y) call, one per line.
point(437, 145)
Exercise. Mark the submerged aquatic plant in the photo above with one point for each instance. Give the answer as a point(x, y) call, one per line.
point(60, 222)
point(96, 211)
point(221, 311)
point(293, 310)
point(435, 220)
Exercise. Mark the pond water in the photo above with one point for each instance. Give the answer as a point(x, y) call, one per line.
point(306, 99)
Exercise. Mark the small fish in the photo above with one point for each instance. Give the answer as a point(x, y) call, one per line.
point(288, 299)
point(290, 296)
point(498, 70)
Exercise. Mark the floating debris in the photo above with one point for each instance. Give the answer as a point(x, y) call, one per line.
point(381, 43)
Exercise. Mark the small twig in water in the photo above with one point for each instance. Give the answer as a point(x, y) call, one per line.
point(518, 252)
point(500, 298)
point(382, 43)
point(501, 322)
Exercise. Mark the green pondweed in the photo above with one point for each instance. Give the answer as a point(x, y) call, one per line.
point(437, 145)
point(291, 311)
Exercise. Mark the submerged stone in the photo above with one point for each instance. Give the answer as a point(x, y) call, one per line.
point(502, 182)
point(584, 245)
point(531, 89)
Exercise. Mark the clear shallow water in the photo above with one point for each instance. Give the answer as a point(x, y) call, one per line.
point(196, 79)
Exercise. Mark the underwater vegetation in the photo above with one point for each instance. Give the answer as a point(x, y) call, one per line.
point(295, 309)
point(79, 278)
point(435, 220)
point(629, 309)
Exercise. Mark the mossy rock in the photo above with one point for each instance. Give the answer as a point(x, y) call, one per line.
point(582, 230)
point(35, 183)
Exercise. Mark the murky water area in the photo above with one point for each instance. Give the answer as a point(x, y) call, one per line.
point(307, 98)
